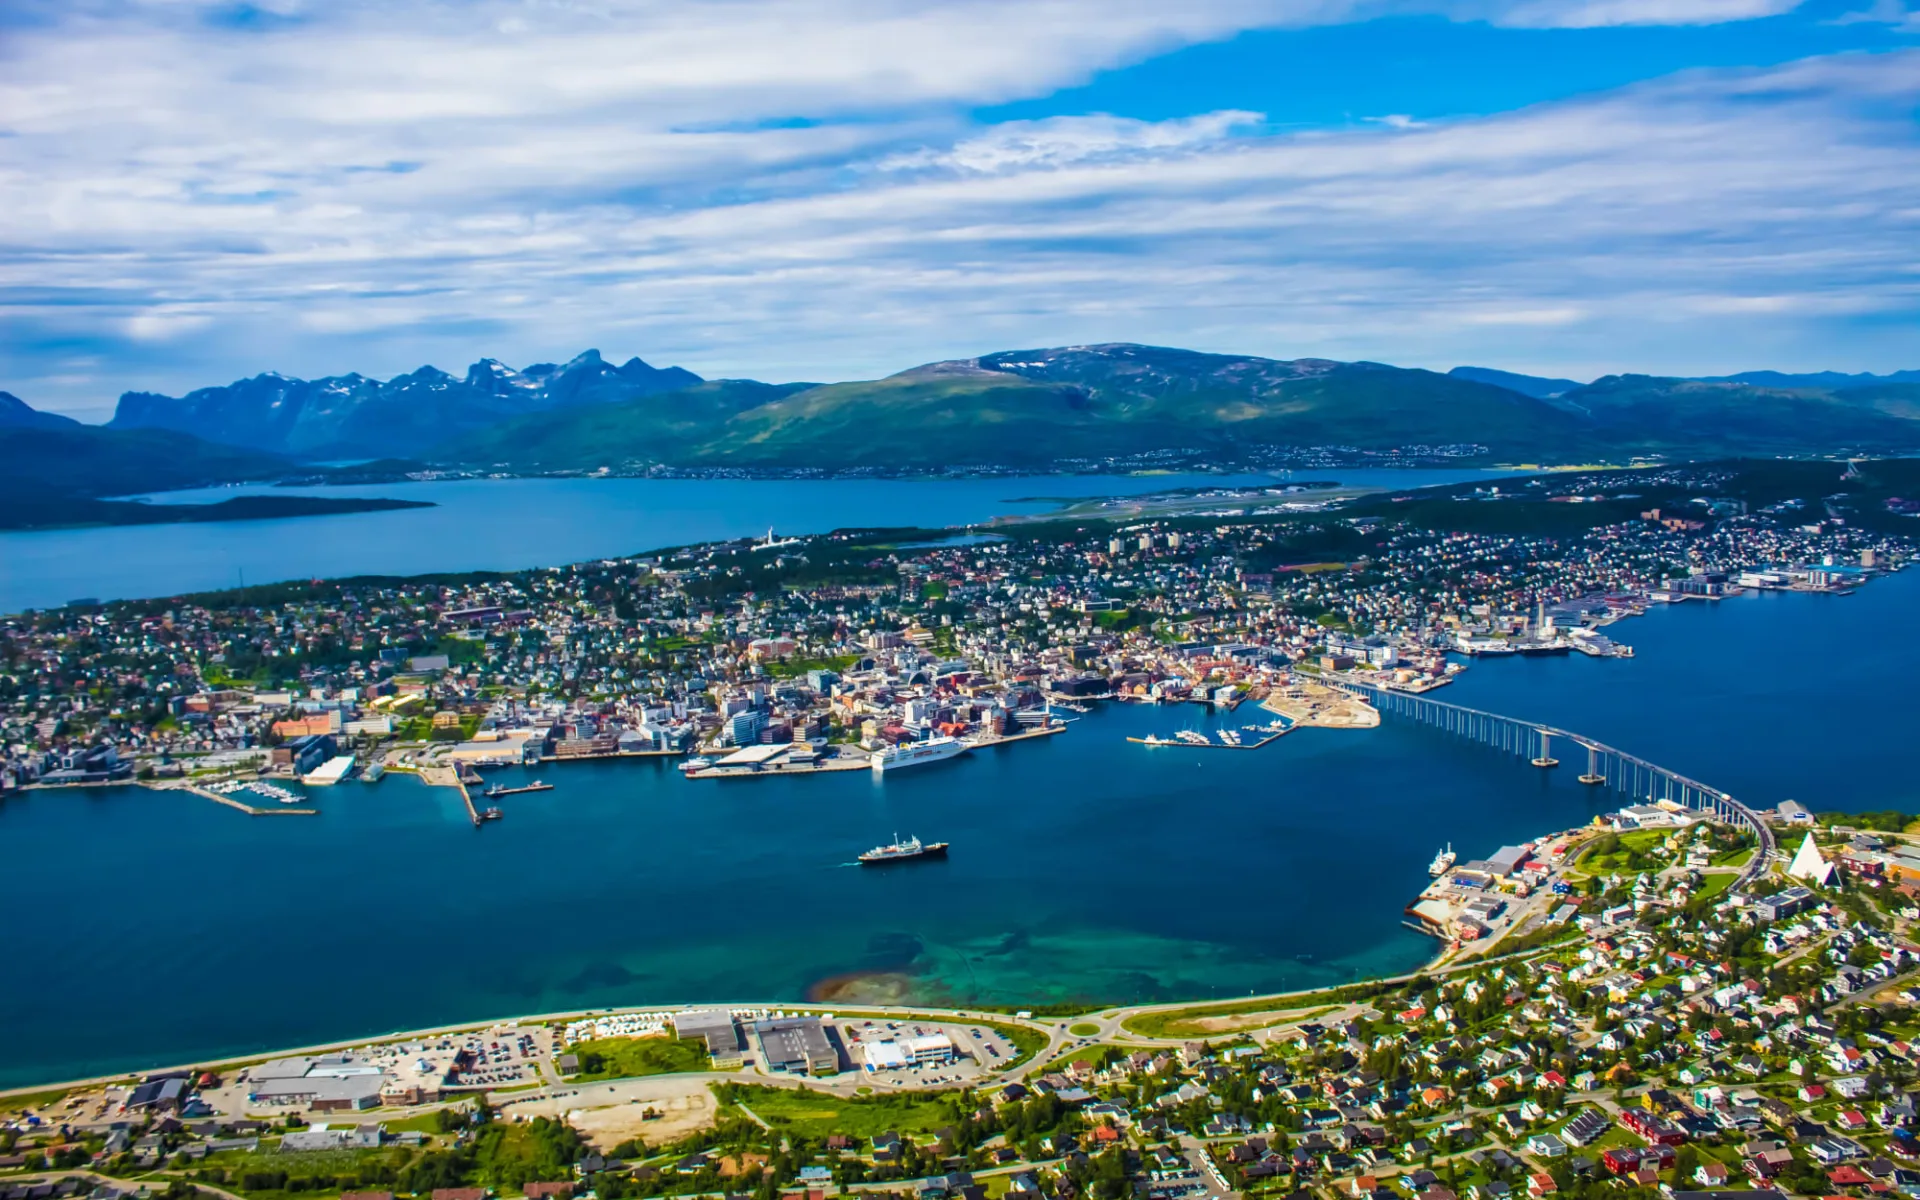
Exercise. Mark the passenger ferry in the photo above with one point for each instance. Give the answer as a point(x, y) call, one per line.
point(695, 765)
point(898, 851)
point(913, 754)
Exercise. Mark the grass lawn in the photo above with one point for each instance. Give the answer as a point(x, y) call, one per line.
point(1186, 1022)
point(621, 1058)
point(816, 1114)
point(1025, 1042)
point(1097, 1055)
point(1083, 1029)
point(1735, 858)
point(427, 1122)
point(1713, 885)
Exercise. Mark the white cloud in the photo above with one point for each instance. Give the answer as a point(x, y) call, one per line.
point(367, 192)
point(1590, 14)
point(1060, 141)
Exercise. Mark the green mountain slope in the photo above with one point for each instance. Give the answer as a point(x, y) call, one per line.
point(664, 427)
point(1643, 412)
point(1030, 407)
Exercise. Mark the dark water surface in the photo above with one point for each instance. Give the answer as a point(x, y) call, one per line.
point(157, 928)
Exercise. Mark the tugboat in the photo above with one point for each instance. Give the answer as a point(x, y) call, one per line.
point(1442, 862)
point(899, 851)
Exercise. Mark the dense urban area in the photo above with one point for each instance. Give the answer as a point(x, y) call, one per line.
point(1670, 1000)
point(859, 640)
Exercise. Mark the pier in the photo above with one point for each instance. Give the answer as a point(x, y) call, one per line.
point(1606, 765)
point(241, 805)
point(535, 786)
point(1209, 743)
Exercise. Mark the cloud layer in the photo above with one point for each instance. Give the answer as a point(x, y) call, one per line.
point(794, 189)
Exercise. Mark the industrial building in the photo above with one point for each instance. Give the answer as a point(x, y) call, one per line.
point(715, 1027)
point(344, 1082)
point(796, 1046)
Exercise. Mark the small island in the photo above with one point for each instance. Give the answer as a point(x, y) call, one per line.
point(68, 512)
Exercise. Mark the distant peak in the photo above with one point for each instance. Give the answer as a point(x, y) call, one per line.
point(955, 368)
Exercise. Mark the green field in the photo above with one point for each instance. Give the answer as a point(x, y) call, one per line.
point(1715, 884)
point(622, 1058)
point(816, 1114)
point(1083, 1029)
point(1185, 1022)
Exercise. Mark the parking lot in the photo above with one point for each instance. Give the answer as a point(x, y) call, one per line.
point(884, 1052)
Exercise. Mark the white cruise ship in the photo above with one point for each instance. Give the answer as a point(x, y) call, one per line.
point(913, 754)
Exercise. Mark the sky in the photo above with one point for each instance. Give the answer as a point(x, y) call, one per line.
point(193, 192)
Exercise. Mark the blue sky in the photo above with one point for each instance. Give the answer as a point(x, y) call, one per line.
point(831, 189)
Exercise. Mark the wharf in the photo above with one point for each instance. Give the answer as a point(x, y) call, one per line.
point(535, 786)
point(567, 758)
point(449, 777)
point(1210, 744)
point(817, 766)
point(848, 762)
point(1312, 703)
point(241, 805)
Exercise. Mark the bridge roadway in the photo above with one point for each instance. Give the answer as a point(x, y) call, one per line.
point(1626, 773)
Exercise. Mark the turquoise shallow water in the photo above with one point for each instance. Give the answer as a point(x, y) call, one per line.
point(154, 928)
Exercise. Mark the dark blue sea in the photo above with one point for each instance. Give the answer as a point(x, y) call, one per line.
point(154, 928)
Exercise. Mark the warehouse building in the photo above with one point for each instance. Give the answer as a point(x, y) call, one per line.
point(796, 1046)
point(715, 1027)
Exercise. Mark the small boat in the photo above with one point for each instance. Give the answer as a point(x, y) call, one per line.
point(696, 764)
point(1442, 862)
point(491, 814)
point(898, 851)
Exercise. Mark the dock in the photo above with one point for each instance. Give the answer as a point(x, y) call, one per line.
point(1211, 744)
point(449, 777)
point(1307, 702)
point(240, 805)
point(535, 786)
point(768, 762)
point(567, 758)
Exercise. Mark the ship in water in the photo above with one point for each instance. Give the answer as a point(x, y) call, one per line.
point(914, 754)
point(898, 851)
point(1442, 862)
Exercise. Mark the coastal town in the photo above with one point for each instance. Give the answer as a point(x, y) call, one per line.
point(1695, 1018)
point(1684, 996)
point(809, 654)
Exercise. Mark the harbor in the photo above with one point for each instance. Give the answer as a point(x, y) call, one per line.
point(1247, 737)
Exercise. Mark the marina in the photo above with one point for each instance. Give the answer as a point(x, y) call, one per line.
point(1221, 739)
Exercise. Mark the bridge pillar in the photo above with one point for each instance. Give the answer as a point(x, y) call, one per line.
point(1593, 774)
point(1546, 758)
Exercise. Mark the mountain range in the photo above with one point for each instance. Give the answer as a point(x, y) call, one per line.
point(349, 416)
point(1022, 408)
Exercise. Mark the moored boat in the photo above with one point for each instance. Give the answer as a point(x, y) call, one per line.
point(913, 754)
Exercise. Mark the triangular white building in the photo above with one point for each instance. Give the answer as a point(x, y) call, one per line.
point(1808, 864)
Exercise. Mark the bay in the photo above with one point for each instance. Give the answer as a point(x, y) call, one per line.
point(510, 524)
point(1083, 867)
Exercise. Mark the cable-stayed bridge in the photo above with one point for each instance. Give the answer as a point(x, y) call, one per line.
point(1607, 766)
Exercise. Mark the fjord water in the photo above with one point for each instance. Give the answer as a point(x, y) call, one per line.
point(508, 524)
point(155, 928)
